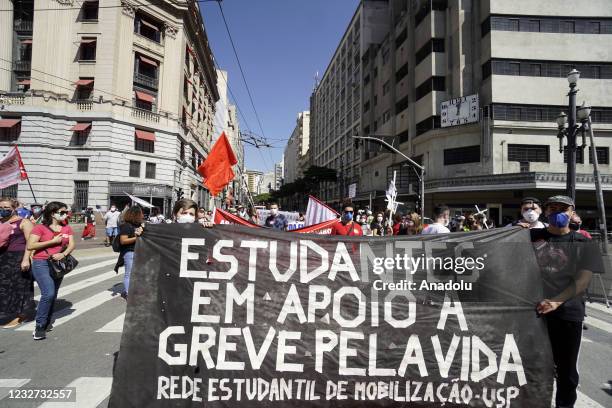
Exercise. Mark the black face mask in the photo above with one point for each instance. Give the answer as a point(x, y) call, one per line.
point(574, 226)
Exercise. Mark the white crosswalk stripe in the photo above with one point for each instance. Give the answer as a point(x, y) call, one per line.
point(90, 392)
point(80, 270)
point(585, 402)
point(6, 384)
point(600, 324)
point(114, 326)
point(600, 307)
point(84, 283)
point(79, 308)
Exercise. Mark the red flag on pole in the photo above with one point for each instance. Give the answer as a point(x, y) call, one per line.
point(217, 168)
point(12, 170)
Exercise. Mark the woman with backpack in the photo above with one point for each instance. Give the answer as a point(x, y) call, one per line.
point(52, 239)
point(129, 232)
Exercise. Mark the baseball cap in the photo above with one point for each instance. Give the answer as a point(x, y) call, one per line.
point(36, 205)
point(559, 199)
point(533, 200)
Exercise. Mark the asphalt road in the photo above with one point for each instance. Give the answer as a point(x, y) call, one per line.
point(81, 349)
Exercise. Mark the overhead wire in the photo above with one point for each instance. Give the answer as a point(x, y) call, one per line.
point(105, 7)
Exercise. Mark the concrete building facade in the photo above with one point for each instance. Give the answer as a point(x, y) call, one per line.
point(295, 158)
point(94, 92)
point(432, 64)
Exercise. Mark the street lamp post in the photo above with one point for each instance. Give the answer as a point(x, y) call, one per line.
point(420, 174)
point(570, 133)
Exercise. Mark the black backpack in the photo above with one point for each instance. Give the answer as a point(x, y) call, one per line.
point(116, 244)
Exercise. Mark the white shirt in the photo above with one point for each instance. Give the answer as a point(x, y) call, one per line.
point(435, 228)
point(111, 219)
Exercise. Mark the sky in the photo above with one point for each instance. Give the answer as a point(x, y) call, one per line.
point(281, 45)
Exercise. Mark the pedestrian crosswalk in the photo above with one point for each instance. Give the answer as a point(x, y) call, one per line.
point(85, 305)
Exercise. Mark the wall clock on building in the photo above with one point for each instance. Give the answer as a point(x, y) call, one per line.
point(460, 111)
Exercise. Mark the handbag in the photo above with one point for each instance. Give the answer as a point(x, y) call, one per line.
point(59, 269)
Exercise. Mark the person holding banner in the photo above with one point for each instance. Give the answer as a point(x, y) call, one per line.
point(441, 221)
point(184, 211)
point(275, 220)
point(129, 232)
point(51, 239)
point(16, 289)
point(346, 226)
point(378, 226)
point(567, 261)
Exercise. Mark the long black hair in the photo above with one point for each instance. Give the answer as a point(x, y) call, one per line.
point(49, 210)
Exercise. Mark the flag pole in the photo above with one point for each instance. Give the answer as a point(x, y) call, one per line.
point(32, 190)
point(24, 174)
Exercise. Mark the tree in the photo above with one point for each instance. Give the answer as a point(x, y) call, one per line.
point(262, 198)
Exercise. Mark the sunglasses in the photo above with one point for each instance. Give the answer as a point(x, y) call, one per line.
point(62, 212)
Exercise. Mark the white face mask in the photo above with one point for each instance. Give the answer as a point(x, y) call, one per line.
point(379, 219)
point(113, 209)
point(60, 217)
point(273, 211)
point(185, 219)
point(531, 216)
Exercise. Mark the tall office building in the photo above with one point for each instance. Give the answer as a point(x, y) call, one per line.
point(90, 95)
point(296, 156)
point(472, 90)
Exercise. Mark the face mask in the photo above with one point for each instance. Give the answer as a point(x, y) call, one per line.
point(273, 211)
point(446, 222)
point(574, 226)
point(36, 211)
point(185, 219)
point(379, 219)
point(559, 219)
point(113, 209)
point(347, 216)
point(59, 217)
point(6, 213)
point(531, 216)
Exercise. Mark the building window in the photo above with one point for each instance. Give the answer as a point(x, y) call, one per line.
point(579, 155)
point(80, 133)
point(386, 88)
point(543, 113)
point(144, 141)
point(568, 26)
point(88, 49)
point(146, 71)
point(461, 155)
point(403, 137)
point(83, 165)
point(555, 69)
point(147, 27)
point(401, 105)
point(366, 106)
point(432, 122)
point(10, 129)
point(89, 11)
point(182, 150)
point(435, 45)
point(84, 89)
point(594, 27)
point(386, 116)
point(10, 191)
point(603, 155)
point(134, 168)
point(401, 73)
point(150, 171)
point(81, 195)
point(529, 153)
point(385, 55)
point(547, 25)
point(435, 83)
point(144, 100)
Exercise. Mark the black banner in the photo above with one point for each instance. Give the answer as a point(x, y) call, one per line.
point(234, 316)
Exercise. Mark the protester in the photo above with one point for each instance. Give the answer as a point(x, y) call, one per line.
point(414, 225)
point(370, 217)
point(399, 225)
point(479, 222)
point(301, 217)
point(242, 213)
point(379, 226)
point(576, 223)
point(441, 218)
point(531, 211)
point(184, 211)
point(156, 216)
point(365, 227)
point(201, 216)
point(16, 288)
point(111, 221)
point(346, 225)
point(275, 220)
point(89, 232)
point(48, 240)
point(253, 216)
point(37, 210)
point(567, 263)
point(457, 224)
point(129, 232)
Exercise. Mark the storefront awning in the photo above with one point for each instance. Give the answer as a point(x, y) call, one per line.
point(80, 127)
point(144, 135)
point(9, 123)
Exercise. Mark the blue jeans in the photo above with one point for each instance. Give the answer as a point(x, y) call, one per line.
point(48, 291)
point(128, 259)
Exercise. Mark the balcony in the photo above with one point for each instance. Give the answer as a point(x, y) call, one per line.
point(145, 115)
point(12, 98)
point(22, 65)
point(84, 104)
point(145, 80)
point(23, 25)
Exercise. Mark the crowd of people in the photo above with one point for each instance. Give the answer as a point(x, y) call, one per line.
point(30, 239)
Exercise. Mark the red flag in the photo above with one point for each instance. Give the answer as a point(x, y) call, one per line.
point(217, 168)
point(12, 169)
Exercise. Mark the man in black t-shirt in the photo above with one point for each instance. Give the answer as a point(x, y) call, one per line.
point(567, 261)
